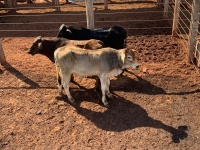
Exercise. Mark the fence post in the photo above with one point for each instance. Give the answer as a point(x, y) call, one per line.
point(194, 25)
point(105, 4)
point(28, 1)
point(57, 4)
point(166, 7)
point(11, 3)
point(2, 56)
point(176, 17)
point(160, 3)
point(90, 14)
point(197, 53)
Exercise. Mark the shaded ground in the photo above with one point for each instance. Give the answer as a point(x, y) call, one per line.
point(155, 107)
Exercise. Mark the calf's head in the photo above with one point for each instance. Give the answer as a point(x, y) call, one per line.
point(36, 47)
point(130, 59)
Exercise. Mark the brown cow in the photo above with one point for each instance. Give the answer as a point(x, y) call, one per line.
point(47, 47)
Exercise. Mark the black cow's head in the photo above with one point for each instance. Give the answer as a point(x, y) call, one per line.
point(65, 32)
point(36, 47)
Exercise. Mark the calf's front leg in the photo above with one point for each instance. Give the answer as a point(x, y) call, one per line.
point(65, 83)
point(110, 95)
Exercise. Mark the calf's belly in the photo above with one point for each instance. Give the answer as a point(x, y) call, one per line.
point(86, 71)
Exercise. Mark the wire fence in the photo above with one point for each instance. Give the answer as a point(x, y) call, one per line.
point(183, 22)
point(190, 12)
point(187, 27)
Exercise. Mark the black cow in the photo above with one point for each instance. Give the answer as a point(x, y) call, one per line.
point(113, 36)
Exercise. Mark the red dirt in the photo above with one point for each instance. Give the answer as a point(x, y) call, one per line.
point(155, 107)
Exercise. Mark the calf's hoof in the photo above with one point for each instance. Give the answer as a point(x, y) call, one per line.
point(61, 94)
point(106, 104)
point(72, 101)
point(110, 95)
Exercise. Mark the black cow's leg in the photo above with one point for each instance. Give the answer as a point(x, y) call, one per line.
point(59, 78)
point(72, 79)
point(97, 87)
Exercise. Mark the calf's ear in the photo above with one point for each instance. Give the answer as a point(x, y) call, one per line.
point(128, 50)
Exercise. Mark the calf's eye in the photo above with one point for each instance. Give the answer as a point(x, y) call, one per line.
point(129, 57)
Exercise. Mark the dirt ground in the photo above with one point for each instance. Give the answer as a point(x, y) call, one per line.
point(155, 106)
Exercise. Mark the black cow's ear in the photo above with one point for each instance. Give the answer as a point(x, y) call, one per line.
point(68, 31)
point(40, 42)
point(39, 38)
point(40, 45)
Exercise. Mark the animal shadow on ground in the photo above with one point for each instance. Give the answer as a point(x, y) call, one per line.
point(142, 86)
point(19, 75)
point(127, 84)
point(125, 115)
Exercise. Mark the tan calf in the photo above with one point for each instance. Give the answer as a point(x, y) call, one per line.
point(103, 63)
